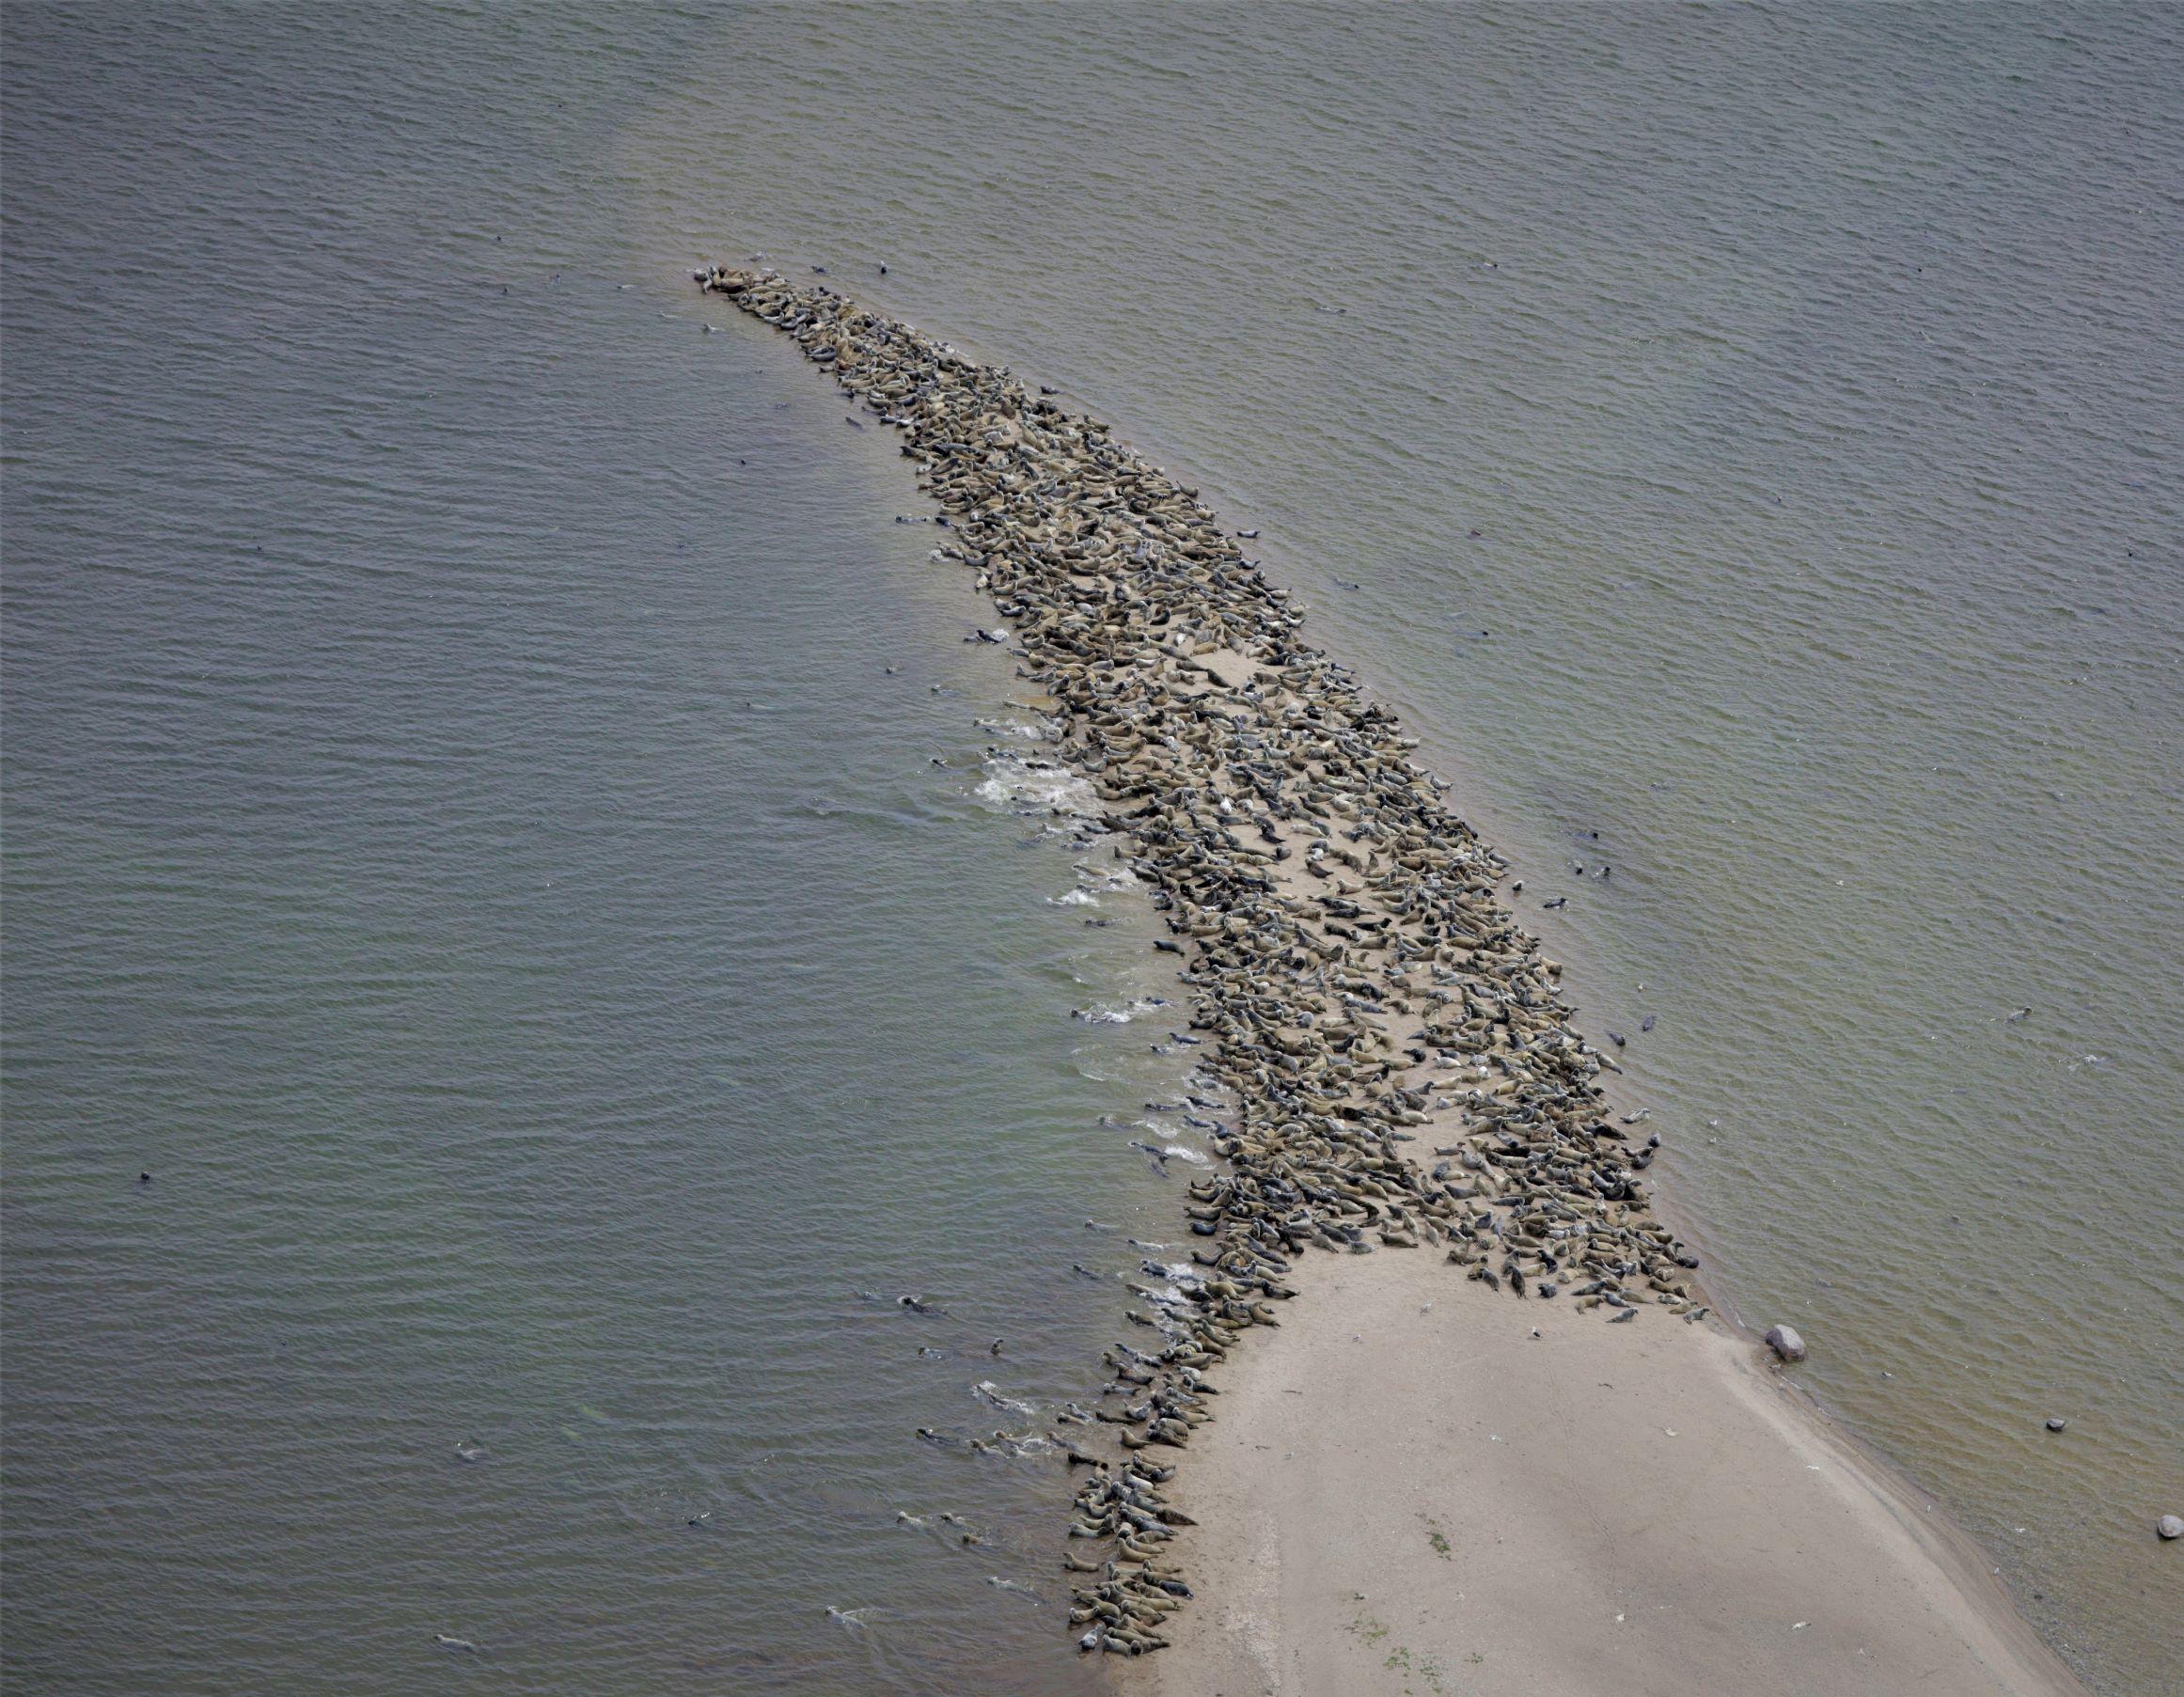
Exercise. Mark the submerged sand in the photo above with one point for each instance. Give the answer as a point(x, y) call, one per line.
point(1407, 1491)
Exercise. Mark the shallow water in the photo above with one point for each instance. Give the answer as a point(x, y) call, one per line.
point(467, 844)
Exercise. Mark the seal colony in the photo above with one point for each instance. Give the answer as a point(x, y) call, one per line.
point(1360, 984)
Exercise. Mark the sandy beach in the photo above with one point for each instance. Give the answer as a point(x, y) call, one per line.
point(1418, 1488)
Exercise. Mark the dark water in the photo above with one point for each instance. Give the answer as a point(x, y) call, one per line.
point(463, 838)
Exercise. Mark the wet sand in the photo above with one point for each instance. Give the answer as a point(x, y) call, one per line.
point(1407, 1491)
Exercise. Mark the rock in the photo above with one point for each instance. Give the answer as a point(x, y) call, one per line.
point(2170, 1526)
point(1786, 1342)
point(2056, 1425)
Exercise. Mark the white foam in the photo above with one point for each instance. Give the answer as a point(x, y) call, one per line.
point(1123, 1015)
point(1015, 785)
point(1037, 729)
point(988, 1392)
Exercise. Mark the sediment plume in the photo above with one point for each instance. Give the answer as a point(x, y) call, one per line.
point(1363, 993)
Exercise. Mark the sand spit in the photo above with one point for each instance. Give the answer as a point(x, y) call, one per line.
point(1414, 1492)
point(1403, 1067)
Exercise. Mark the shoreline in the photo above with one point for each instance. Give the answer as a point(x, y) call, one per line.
point(1362, 987)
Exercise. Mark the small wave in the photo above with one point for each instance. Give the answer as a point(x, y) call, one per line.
point(1077, 898)
point(1017, 785)
point(1119, 1016)
point(987, 1391)
point(1034, 730)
